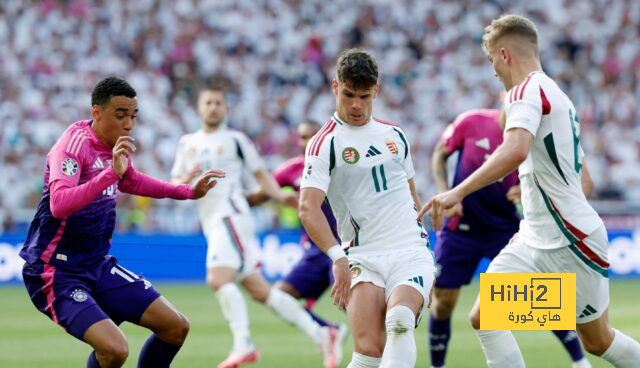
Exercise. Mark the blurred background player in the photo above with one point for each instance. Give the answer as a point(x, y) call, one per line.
point(226, 220)
point(362, 166)
point(480, 226)
point(312, 275)
point(68, 274)
point(560, 231)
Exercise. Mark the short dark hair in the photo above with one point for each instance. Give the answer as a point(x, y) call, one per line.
point(357, 68)
point(216, 83)
point(109, 87)
point(312, 123)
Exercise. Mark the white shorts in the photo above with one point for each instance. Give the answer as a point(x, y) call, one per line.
point(587, 259)
point(412, 267)
point(231, 242)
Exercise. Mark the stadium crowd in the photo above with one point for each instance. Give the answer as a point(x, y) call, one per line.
point(277, 58)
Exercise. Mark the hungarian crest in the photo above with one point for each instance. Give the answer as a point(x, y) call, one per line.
point(391, 145)
point(350, 155)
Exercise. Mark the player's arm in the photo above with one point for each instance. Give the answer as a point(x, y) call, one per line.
point(318, 229)
point(180, 172)
point(414, 193)
point(586, 180)
point(67, 196)
point(135, 182)
point(439, 166)
point(506, 158)
point(188, 176)
point(259, 197)
point(270, 187)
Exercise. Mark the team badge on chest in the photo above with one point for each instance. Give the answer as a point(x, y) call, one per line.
point(350, 155)
point(391, 145)
point(69, 167)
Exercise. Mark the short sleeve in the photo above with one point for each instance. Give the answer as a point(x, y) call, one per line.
point(317, 167)
point(179, 164)
point(63, 164)
point(406, 153)
point(526, 112)
point(453, 136)
point(408, 166)
point(248, 153)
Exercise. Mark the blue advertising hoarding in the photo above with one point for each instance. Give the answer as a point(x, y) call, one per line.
point(162, 257)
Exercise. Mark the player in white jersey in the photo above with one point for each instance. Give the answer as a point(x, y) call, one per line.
point(560, 232)
point(232, 253)
point(362, 166)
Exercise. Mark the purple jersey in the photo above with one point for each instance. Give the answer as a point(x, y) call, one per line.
point(82, 239)
point(476, 134)
point(289, 174)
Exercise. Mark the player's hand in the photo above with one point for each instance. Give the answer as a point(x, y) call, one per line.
point(455, 211)
point(438, 204)
point(514, 193)
point(342, 285)
point(193, 173)
point(121, 151)
point(206, 182)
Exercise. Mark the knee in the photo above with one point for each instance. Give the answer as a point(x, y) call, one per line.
point(214, 283)
point(259, 294)
point(399, 321)
point(114, 353)
point(369, 347)
point(474, 318)
point(442, 308)
point(177, 331)
point(595, 346)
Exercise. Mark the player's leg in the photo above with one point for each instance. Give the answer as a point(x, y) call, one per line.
point(309, 279)
point(109, 344)
point(443, 303)
point(126, 296)
point(405, 305)
point(410, 278)
point(366, 313)
point(500, 346)
point(571, 342)
point(588, 259)
point(227, 239)
point(608, 343)
point(234, 308)
point(457, 257)
point(285, 306)
point(66, 298)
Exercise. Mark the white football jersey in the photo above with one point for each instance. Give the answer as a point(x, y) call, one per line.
point(227, 150)
point(364, 172)
point(556, 211)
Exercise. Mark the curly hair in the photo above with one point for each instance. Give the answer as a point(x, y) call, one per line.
point(357, 68)
point(109, 87)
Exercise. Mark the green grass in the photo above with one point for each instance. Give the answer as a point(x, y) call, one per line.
point(29, 339)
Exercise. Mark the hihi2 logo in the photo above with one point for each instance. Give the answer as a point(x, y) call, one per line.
point(528, 301)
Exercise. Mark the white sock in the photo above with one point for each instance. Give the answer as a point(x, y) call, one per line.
point(400, 348)
point(582, 363)
point(624, 352)
point(234, 308)
point(362, 361)
point(291, 311)
point(500, 348)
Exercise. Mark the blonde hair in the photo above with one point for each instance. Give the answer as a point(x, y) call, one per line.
point(510, 25)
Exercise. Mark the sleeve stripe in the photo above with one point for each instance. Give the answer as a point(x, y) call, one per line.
point(319, 138)
point(523, 88)
point(314, 139)
point(517, 92)
point(386, 123)
point(76, 142)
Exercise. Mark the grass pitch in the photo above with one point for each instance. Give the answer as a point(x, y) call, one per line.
point(29, 339)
